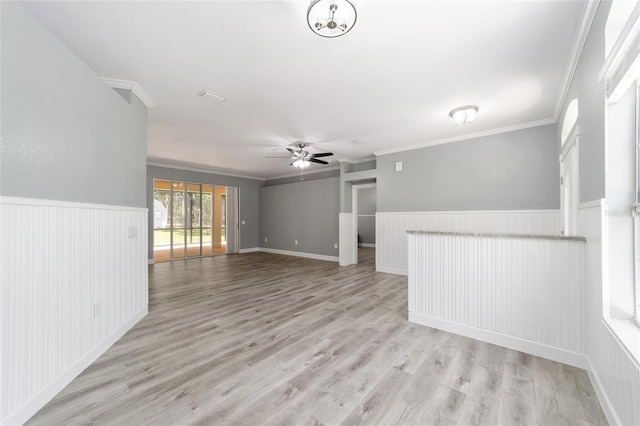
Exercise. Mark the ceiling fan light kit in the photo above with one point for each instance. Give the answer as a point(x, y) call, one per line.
point(464, 114)
point(331, 18)
point(300, 163)
point(302, 158)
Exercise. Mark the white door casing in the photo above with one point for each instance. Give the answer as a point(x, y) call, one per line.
point(570, 182)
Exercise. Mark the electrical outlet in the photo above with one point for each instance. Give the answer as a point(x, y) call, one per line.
point(244, 222)
point(335, 245)
point(96, 309)
point(132, 232)
point(265, 239)
point(296, 242)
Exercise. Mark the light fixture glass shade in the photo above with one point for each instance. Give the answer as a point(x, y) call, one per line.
point(464, 114)
point(331, 18)
point(301, 163)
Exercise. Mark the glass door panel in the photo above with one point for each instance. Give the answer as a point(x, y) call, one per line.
point(194, 220)
point(219, 219)
point(161, 213)
point(183, 220)
point(178, 220)
point(207, 220)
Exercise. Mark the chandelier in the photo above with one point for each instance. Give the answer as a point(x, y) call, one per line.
point(331, 18)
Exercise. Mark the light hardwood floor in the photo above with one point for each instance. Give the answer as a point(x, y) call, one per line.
point(267, 339)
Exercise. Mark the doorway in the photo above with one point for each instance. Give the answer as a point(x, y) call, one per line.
point(193, 220)
point(569, 183)
point(364, 220)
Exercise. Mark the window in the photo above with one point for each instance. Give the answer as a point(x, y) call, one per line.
point(621, 238)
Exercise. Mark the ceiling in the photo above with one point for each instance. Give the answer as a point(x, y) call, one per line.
point(390, 82)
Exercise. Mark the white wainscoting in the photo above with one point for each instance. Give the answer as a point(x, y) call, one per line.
point(521, 293)
point(347, 239)
point(73, 281)
point(615, 375)
point(391, 229)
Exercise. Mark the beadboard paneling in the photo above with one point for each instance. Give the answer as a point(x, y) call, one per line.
point(73, 276)
point(391, 229)
point(525, 288)
point(614, 374)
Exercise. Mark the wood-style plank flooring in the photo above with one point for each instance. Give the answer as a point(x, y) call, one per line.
point(268, 339)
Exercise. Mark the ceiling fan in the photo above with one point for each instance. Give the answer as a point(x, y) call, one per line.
point(302, 158)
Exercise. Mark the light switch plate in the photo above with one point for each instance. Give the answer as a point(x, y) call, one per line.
point(398, 166)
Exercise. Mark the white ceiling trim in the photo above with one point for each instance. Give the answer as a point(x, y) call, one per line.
point(195, 169)
point(491, 132)
point(328, 169)
point(130, 85)
point(579, 40)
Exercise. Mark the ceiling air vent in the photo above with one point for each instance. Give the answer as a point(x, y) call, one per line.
point(212, 96)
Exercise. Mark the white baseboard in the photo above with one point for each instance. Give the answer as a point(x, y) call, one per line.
point(367, 245)
point(538, 349)
point(396, 271)
point(151, 261)
point(605, 403)
point(300, 254)
point(249, 250)
point(31, 407)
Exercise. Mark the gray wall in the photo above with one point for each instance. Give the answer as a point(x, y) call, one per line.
point(366, 215)
point(508, 171)
point(249, 198)
point(592, 107)
point(304, 211)
point(66, 135)
point(304, 177)
point(365, 165)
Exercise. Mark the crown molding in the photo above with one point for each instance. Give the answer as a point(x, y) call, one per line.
point(579, 39)
point(130, 85)
point(198, 170)
point(491, 132)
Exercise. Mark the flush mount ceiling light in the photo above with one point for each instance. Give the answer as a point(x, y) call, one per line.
point(464, 114)
point(331, 18)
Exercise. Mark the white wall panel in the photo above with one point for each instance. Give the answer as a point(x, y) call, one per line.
point(525, 288)
point(347, 243)
point(391, 228)
point(614, 373)
point(74, 278)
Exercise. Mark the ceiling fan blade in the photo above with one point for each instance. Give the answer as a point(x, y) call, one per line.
point(313, 160)
point(321, 154)
point(292, 151)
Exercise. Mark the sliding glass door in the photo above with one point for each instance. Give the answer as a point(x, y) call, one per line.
point(193, 220)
